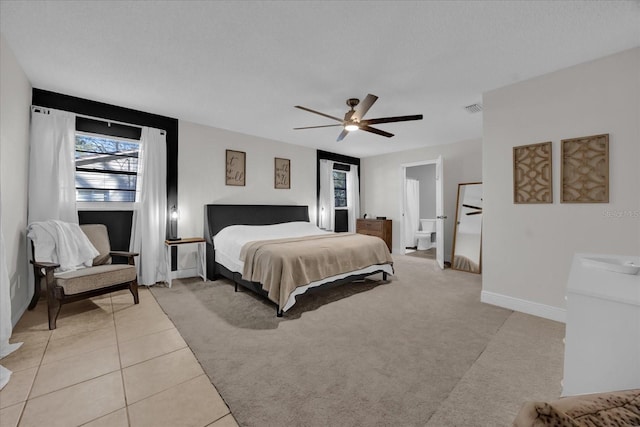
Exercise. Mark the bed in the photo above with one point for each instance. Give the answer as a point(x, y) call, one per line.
point(254, 257)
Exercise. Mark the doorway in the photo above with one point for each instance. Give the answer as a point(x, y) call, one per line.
point(422, 227)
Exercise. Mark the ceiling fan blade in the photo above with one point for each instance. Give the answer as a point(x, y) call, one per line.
point(342, 135)
point(313, 127)
point(317, 112)
point(364, 106)
point(391, 119)
point(376, 131)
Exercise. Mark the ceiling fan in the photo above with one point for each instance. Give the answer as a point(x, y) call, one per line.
point(353, 118)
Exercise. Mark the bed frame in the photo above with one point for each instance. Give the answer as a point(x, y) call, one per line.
point(216, 217)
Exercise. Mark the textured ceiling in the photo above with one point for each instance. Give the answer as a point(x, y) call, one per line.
point(242, 66)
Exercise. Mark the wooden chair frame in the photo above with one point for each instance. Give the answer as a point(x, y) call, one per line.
point(55, 294)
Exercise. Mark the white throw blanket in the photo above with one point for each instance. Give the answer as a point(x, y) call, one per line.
point(6, 328)
point(62, 243)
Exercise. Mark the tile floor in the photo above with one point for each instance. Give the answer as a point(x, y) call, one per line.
point(110, 363)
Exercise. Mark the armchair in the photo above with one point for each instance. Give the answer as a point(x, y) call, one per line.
point(101, 278)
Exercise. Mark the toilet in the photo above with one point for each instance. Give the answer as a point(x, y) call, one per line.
point(427, 228)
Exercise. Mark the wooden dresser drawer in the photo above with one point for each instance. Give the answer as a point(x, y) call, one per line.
point(376, 227)
point(370, 225)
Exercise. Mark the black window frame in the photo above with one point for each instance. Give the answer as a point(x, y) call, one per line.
point(111, 172)
point(338, 188)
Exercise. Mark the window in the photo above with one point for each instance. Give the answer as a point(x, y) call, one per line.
point(340, 189)
point(106, 168)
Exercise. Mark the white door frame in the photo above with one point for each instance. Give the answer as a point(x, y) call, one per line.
point(439, 204)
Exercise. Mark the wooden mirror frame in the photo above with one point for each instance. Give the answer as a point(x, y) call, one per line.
point(455, 234)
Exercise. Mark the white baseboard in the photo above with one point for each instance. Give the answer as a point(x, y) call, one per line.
point(524, 306)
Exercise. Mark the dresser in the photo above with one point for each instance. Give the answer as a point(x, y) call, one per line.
point(376, 227)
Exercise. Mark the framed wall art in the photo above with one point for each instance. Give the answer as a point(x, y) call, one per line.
point(585, 169)
point(282, 173)
point(236, 167)
point(532, 174)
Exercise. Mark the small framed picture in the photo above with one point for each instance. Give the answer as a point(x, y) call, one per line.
point(236, 167)
point(282, 174)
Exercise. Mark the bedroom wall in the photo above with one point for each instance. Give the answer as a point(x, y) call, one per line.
point(426, 174)
point(527, 249)
point(381, 182)
point(201, 176)
point(15, 102)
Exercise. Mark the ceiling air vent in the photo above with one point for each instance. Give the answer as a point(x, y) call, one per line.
point(473, 108)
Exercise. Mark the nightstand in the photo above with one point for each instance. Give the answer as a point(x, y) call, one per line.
point(201, 263)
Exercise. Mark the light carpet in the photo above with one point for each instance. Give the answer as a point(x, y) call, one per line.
point(427, 253)
point(418, 350)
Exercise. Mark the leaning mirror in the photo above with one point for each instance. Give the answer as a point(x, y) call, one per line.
point(467, 234)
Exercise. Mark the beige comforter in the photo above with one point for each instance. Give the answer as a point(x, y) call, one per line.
point(281, 265)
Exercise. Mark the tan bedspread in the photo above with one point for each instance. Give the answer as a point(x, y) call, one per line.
point(281, 265)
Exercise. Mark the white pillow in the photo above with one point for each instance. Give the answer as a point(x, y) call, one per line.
point(231, 239)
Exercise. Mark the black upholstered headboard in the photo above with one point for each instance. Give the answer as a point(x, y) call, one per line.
point(216, 217)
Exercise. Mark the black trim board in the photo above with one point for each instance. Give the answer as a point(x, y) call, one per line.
point(340, 158)
point(118, 225)
point(58, 101)
point(85, 124)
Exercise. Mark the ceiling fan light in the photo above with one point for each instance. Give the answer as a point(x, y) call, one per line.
point(351, 127)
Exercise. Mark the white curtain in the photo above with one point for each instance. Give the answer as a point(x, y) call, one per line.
point(148, 230)
point(6, 327)
point(52, 168)
point(411, 212)
point(353, 197)
point(327, 200)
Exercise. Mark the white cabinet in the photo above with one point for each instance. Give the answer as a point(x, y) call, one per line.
point(602, 342)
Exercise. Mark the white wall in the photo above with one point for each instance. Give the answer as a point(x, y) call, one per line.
point(381, 182)
point(426, 174)
point(15, 101)
point(201, 176)
point(527, 249)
